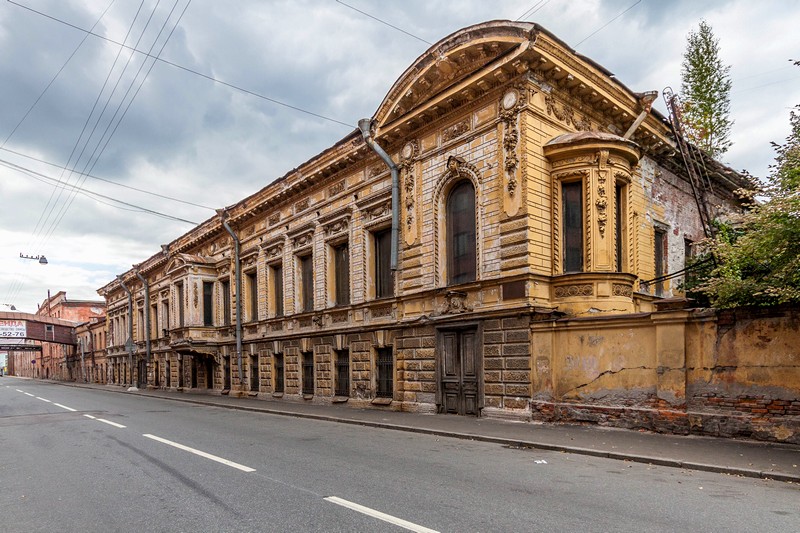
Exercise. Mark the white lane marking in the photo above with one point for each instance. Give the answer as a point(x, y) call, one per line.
point(28, 394)
point(43, 399)
point(201, 454)
point(19, 390)
point(64, 407)
point(89, 416)
point(110, 423)
point(380, 516)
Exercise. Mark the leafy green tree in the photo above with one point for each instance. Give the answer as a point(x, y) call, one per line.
point(759, 263)
point(705, 93)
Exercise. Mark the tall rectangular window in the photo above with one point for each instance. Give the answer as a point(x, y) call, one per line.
point(277, 289)
point(208, 303)
point(571, 194)
point(660, 258)
point(165, 320)
point(620, 228)
point(278, 373)
point(308, 372)
point(226, 302)
point(341, 267)
point(307, 282)
point(154, 321)
point(385, 371)
point(254, 373)
point(181, 303)
point(252, 296)
point(141, 329)
point(383, 272)
point(342, 385)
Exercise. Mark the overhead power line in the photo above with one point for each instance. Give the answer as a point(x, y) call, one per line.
point(87, 192)
point(187, 69)
point(533, 9)
point(106, 180)
point(607, 23)
point(384, 22)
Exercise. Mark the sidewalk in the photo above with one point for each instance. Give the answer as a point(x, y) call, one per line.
point(756, 459)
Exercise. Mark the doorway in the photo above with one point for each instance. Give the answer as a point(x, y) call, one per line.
point(459, 370)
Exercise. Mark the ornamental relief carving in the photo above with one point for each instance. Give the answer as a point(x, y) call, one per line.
point(456, 130)
point(512, 102)
point(195, 295)
point(566, 291)
point(601, 203)
point(619, 289)
point(566, 114)
point(302, 205)
point(303, 239)
point(274, 219)
point(380, 312)
point(455, 302)
point(336, 188)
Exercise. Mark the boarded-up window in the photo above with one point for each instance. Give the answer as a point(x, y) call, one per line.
point(461, 249)
point(383, 273)
point(660, 258)
point(307, 282)
point(341, 267)
point(573, 226)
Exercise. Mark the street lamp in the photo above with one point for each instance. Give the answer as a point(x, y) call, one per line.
point(42, 259)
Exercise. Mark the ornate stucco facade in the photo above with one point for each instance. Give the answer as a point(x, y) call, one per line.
point(569, 219)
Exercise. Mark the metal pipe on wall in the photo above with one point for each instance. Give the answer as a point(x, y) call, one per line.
point(129, 343)
point(223, 215)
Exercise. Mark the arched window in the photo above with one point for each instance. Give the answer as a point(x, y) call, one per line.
point(461, 256)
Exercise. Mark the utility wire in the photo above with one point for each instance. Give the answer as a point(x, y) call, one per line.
point(28, 112)
point(67, 204)
point(106, 180)
point(187, 69)
point(536, 7)
point(81, 190)
point(384, 22)
point(607, 23)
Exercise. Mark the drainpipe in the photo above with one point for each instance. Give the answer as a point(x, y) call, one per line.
point(146, 312)
point(646, 101)
point(364, 125)
point(223, 215)
point(129, 344)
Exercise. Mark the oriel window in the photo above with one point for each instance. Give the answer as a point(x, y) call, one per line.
point(208, 303)
point(571, 194)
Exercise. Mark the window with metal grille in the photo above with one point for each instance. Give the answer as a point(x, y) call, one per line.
point(254, 373)
point(383, 273)
point(341, 255)
point(308, 373)
point(208, 304)
point(461, 256)
point(278, 372)
point(385, 371)
point(342, 373)
point(573, 226)
point(660, 258)
point(307, 283)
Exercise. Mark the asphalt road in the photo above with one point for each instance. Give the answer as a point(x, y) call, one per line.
point(76, 459)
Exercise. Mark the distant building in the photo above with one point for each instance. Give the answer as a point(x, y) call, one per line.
point(541, 203)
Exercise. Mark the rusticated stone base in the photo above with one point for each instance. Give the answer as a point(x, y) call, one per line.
point(785, 429)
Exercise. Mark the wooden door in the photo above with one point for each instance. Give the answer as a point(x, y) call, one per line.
point(460, 371)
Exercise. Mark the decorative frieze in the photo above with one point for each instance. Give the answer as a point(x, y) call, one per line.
point(566, 291)
point(302, 205)
point(619, 289)
point(456, 130)
point(336, 188)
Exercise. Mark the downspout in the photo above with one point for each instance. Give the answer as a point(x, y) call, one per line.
point(223, 215)
point(364, 126)
point(129, 343)
point(146, 312)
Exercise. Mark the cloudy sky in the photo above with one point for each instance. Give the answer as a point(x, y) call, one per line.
point(73, 101)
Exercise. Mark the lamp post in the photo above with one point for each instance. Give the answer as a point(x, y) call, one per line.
point(42, 259)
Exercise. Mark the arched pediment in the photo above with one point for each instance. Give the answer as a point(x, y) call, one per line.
point(455, 58)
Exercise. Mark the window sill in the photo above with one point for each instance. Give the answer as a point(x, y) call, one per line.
point(252, 394)
point(340, 399)
point(277, 395)
point(225, 392)
point(308, 396)
point(381, 401)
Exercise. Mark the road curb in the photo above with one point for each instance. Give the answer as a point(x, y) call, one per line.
point(514, 443)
